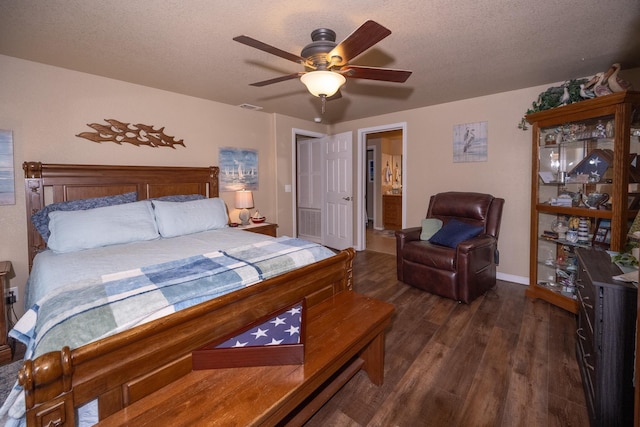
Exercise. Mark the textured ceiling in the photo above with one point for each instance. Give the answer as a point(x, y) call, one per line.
point(456, 49)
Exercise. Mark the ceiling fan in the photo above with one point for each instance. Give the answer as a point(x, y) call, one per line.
point(327, 62)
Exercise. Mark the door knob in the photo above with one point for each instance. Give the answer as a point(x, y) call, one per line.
point(346, 198)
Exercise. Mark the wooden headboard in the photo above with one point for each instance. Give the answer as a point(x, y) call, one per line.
point(59, 183)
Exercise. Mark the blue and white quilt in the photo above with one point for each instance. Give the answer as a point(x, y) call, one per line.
point(78, 314)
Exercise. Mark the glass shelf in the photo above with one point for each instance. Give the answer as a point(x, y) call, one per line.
point(565, 242)
point(565, 291)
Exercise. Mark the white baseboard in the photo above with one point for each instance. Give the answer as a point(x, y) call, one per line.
point(513, 278)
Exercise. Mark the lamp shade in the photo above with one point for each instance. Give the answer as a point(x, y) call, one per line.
point(244, 199)
point(323, 83)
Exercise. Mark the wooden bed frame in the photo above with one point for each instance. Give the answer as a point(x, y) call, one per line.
point(122, 369)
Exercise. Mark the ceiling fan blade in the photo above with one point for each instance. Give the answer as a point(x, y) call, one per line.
point(357, 42)
point(277, 79)
point(270, 49)
point(374, 73)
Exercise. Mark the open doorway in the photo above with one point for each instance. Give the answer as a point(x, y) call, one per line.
point(382, 184)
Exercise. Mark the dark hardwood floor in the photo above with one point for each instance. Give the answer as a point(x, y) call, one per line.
point(504, 360)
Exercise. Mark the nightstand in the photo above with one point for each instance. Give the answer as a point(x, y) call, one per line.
point(5, 350)
point(262, 228)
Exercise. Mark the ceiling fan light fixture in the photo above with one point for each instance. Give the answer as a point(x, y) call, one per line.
point(323, 83)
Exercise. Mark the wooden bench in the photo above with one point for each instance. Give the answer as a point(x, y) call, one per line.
point(345, 334)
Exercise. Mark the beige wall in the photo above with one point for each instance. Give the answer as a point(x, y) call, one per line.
point(46, 106)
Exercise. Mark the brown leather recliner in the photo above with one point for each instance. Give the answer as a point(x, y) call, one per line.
point(462, 273)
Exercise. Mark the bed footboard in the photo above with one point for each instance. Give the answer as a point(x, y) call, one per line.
point(123, 368)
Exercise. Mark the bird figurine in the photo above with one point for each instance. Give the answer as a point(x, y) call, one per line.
point(615, 82)
point(592, 81)
point(586, 93)
point(601, 88)
point(564, 99)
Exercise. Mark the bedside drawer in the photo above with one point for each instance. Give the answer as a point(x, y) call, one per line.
point(266, 228)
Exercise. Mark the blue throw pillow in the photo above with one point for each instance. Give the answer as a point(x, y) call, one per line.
point(40, 219)
point(454, 232)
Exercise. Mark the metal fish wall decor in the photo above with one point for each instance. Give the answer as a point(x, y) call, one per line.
point(137, 134)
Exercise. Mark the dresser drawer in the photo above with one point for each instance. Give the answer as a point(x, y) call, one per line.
point(586, 312)
point(587, 369)
point(588, 355)
point(586, 300)
point(585, 329)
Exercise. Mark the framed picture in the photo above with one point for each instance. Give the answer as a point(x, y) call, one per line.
point(238, 169)
point(7, 180)
point(470, 142)
point(634, 201)
point(602, 233)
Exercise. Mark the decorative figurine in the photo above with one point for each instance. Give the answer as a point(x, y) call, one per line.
point(616, 83)
point(601, 84)
point(256, 218)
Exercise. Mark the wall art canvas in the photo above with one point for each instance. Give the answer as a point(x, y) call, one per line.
point(470, 142)
point(7, 181)
point(238, 169)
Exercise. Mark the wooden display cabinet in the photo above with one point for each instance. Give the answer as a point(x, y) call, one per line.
point(580, 152)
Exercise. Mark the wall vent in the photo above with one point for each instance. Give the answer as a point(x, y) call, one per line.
point(250, 107)
point(309, 224)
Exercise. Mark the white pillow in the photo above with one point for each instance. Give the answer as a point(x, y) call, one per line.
point(77, 230)
point(178, 218)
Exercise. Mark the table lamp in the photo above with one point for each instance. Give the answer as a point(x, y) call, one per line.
point(244, 201)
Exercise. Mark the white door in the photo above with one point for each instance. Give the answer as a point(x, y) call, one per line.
point(338, 185)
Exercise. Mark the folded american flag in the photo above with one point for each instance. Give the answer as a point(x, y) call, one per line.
point(283, 328)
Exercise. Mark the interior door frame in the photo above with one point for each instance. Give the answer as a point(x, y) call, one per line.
point(295, 132)
point(361, 161)
point(374, 213)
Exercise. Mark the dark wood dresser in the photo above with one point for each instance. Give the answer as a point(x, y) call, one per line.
point(605, 346)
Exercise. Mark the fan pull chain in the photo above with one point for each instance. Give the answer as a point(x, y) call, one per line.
point(323, 100)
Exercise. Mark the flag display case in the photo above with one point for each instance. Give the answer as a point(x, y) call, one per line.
point(275, 339)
